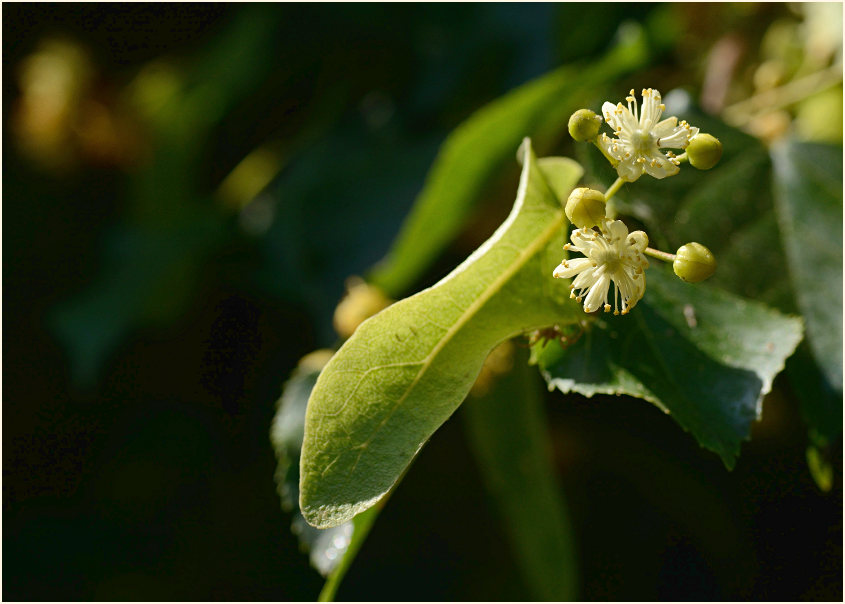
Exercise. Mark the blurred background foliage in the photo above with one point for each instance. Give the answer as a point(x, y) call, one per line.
point(186, 191)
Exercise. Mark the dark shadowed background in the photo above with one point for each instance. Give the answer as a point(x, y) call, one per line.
point(185, 190)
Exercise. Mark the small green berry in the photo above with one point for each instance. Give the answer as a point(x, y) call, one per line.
point(704, 151)
point(694, 263)
point(585, 207)
point(584, 125)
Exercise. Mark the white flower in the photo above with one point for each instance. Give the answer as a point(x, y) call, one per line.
point(610, 255)
point(640, 136)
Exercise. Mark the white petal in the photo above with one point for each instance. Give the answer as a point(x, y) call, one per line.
point(617, 230)
point(606, 143)
point(574, 267)
point(678, 139)
point(660, 167)
point(626, 118)
point(584, 240)
point(608, 110)
point(585, 279)
point(629, 170)
point(665, 128)
point(638, 240)
point(598, 294)
point(650, 111)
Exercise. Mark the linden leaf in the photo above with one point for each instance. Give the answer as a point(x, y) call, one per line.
point(703, 355)
point(405, 371)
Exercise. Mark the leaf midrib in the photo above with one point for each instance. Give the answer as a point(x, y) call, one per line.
point(528, 252)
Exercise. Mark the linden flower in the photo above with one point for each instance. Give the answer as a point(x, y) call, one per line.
point(611, 255)
point(640, 136)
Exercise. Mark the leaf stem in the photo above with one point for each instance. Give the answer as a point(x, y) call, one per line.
point(665, 256)
point(363, 524)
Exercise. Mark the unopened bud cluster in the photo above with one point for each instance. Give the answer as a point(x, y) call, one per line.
point(642, 143)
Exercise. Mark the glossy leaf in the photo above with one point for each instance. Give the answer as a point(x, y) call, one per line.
point(808, 200)
point(325, 547)
point(698, 353)
point(731, 209)
point(361, 525)
point(481, 147)
point(508, 434)
point(406, 370)
point(332, 550)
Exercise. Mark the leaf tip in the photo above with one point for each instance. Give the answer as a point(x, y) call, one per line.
point(332, 515)
point(524, 148)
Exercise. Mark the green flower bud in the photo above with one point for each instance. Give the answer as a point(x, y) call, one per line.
point(584, 125)
point(704, 151)
point(694, 263)
point(585, 207)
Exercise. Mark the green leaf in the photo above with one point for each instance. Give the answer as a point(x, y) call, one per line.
point(821, 405)
point(361, 525)
point(481, 147)
point(698, 353)
point(808, 200)
point(406, 370)
point(332, 550)
point(821, 469)
point(509, 437)
point(326, 547)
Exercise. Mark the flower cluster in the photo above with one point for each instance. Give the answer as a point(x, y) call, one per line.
point(612, 255)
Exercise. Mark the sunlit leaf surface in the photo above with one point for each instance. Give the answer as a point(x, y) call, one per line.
point(406, 370)
point(325, 547)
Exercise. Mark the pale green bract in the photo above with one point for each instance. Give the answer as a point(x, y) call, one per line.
point(405, 371)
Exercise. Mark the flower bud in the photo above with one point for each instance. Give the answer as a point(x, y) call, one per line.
point(704, 151)
point(585, 207)
point(694, 263)
point(584, 125)
point(361, 302)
